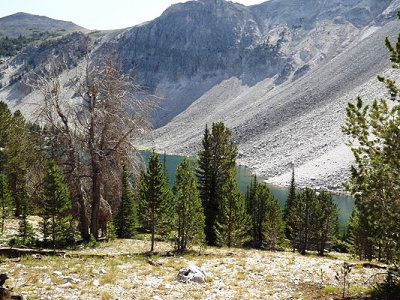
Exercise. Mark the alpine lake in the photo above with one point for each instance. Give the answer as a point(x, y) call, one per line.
point(344, 202)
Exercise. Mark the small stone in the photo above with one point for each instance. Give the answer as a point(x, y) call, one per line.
point(96, 282)
point(102, 271)
point(72, 279)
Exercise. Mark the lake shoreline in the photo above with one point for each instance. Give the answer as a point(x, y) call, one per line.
point(344, 202)
point(261, 178)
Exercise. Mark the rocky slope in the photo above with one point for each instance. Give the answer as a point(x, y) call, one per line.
point(279, 74)
point(195, 45)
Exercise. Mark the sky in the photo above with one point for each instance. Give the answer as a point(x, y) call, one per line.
point(96, 14)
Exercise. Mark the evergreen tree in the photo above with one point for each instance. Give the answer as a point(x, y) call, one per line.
point(5, 126)
point(25, 230)
point(358, 236)
point(233, 221)
point(168, 209)
point(189, 215)
point(154, 197)
point(141, 206)
point(250, 194)
point(302, 219)
point(216, 160)
point(165, 166)
point(327, 227)
point(56, 210)
point(258, 213)
point(289, 202)
point(19, 154)
point(126, 218)
point(5, 200)
point(206, 185)
point(374, 136)
point(273, 226)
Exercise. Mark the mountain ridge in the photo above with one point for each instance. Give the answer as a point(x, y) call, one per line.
point(25, 24)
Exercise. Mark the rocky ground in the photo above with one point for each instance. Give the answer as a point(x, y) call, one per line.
point(121, 270)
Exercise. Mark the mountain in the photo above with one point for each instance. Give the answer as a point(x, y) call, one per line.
point(279, 74)
point(332, 52)
point(195, 45)
point(26, 24)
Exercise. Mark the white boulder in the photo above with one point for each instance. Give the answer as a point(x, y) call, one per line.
point(191, 274)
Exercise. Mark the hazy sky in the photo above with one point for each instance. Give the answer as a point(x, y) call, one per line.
point(96, 14)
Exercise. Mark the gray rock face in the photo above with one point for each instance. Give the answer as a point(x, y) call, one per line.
point(191, 274)
point(195, 45)
point(199, 41)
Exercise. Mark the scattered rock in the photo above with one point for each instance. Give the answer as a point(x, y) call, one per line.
point(153, 263)
point(96, 282)
point(191, 274)
point(71, 279)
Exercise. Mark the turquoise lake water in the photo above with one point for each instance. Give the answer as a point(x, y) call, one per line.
point(345, 203)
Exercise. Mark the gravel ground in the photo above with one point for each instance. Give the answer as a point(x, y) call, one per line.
point(127, 273)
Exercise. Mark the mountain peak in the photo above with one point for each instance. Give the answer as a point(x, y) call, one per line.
point(22, 23)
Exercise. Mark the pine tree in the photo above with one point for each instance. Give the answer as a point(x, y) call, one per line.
point(291, 197)
point(25, 230)
point(374, 136)
point(206, 185)
point(20, 154)
point(5, 200)
point(258, 213)
point(302, 219)
point(327, 226)
point(168, 207)
point(358, 236)
point(250, 194)
point(165, 166)
point(273, 226)
point(189, 215)
point(288, 204)
point(5, 125)
point(154, 196)
point(216, 160)
point(126, 218)
point(232, 222)
point(56, 211)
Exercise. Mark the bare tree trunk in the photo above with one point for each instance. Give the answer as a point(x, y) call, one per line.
point(83, 219)
point(152, 228)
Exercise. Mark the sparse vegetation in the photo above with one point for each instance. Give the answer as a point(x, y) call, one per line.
point(11, 46)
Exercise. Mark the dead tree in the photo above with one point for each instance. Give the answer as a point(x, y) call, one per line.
point(97, 129)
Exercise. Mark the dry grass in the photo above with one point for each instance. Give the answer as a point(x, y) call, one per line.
point(231, 274)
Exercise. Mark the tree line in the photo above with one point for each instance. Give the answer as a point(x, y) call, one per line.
point(204, 207)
